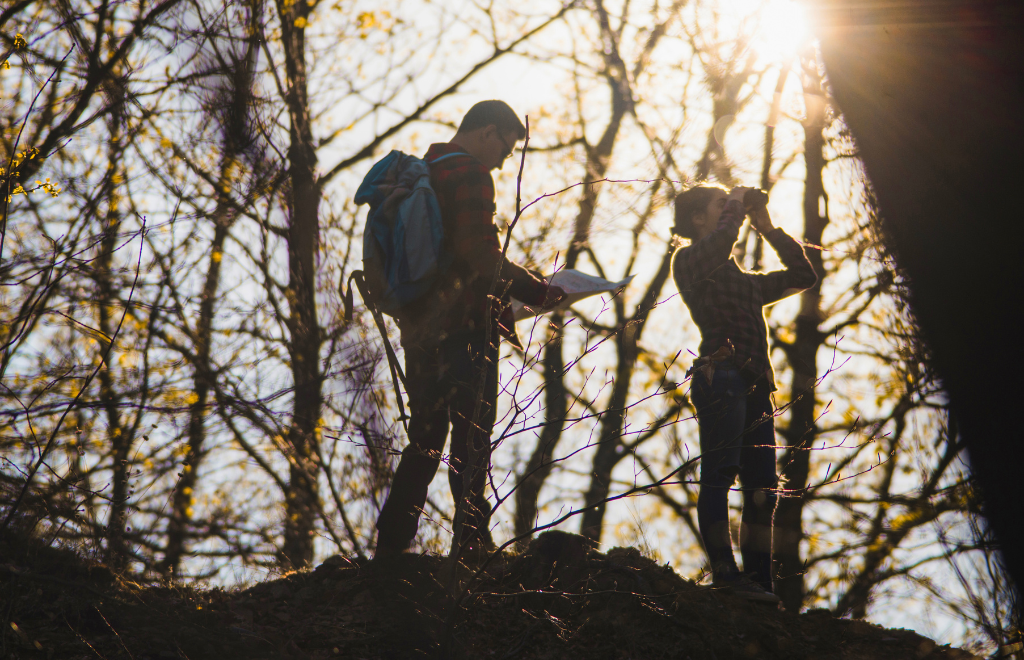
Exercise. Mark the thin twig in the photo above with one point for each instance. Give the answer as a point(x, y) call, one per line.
point(85, 386)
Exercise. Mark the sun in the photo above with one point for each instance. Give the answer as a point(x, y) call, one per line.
point(782, 27)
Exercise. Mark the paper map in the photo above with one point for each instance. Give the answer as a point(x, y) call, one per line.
point(576, 285)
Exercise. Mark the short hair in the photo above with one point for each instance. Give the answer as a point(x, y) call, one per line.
point(493, 113)
point(688, 203)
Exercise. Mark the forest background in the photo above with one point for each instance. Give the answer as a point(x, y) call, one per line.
point(185, 398)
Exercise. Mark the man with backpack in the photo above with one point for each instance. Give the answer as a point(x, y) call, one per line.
point(450, 334)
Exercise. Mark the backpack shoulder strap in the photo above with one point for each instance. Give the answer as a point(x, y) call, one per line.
point(440, 158)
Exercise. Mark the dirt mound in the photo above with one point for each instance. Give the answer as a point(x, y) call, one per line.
point(561, 599)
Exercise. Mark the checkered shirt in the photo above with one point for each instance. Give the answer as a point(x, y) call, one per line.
point(465, 192)
point(726, 302)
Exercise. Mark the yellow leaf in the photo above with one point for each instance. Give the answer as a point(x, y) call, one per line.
point(366, 21)
point(301, 22)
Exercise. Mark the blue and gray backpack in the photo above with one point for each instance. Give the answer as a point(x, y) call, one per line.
point(403, 241)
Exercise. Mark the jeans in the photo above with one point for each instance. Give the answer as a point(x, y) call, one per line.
point(443, 383)
point(737, 438)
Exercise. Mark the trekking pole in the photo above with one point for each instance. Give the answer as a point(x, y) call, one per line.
point(396, 368)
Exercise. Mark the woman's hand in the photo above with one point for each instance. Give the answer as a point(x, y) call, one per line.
point(760, 220)
point(738, 193)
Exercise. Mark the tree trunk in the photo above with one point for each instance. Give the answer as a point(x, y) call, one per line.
point(940, 137)
point(110, 401)
point(802, 354)
point(609, 449)
point(609, 446)
point(184, 498)
point(540, 464)
point(302, 499)
point(539, 467)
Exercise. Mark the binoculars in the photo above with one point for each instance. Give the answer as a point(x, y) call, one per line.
point(755, 199)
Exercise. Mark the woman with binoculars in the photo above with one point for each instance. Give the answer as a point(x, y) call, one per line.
point(732, 380)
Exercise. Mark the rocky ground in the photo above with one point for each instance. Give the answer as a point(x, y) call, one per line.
point(559, 600)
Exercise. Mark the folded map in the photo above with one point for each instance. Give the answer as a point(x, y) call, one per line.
point(576, 285)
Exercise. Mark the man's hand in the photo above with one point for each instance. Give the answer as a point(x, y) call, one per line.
point(555, 296)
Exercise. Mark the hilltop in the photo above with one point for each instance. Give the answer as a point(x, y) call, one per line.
point(558, 600)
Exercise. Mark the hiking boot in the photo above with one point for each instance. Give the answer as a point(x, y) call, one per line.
point(743, 586)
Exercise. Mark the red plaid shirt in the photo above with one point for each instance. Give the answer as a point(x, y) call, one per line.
point(465, 192)
point(726, 302)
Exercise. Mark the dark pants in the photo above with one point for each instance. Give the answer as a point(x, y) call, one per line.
point(737, 437)
point(443, 384)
